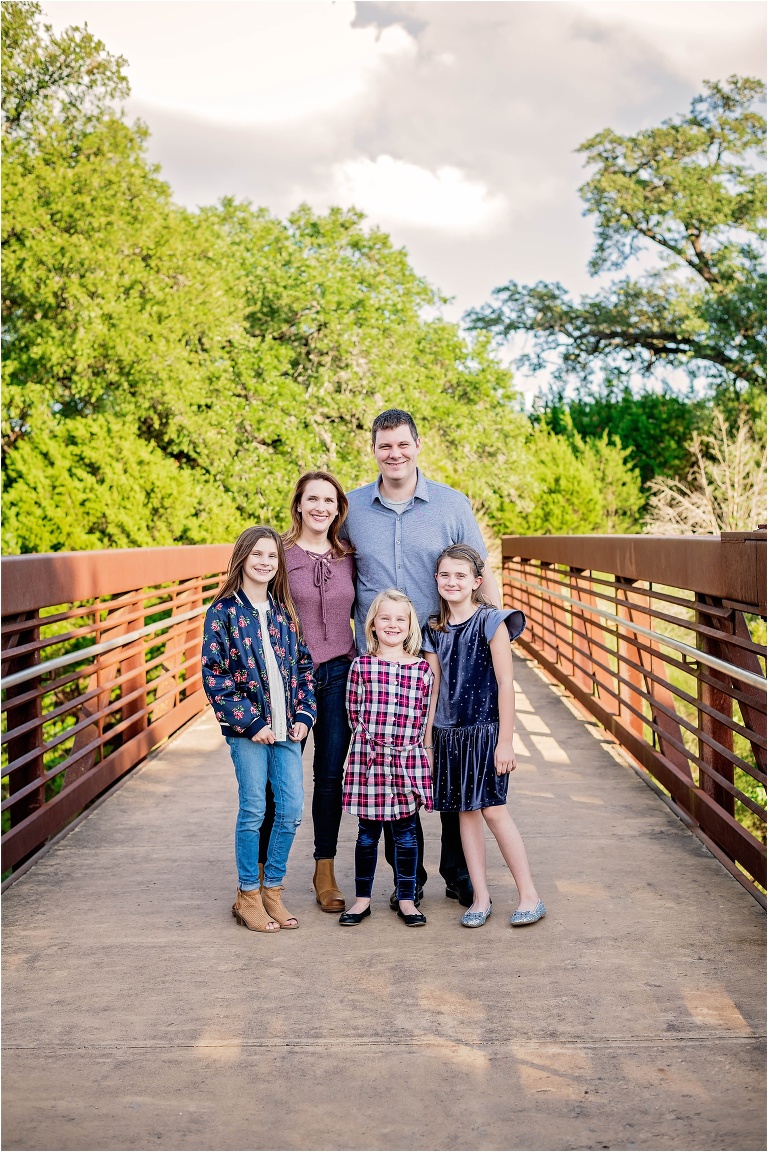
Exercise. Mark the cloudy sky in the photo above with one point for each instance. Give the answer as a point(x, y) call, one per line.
point(453, 125)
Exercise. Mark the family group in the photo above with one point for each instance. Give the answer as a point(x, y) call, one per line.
point(414, 709)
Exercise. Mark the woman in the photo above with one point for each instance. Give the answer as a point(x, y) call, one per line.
point(321, 575)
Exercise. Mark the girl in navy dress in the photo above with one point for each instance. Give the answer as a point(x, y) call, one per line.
point(467, 647)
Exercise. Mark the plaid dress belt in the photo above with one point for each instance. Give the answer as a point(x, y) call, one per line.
point(392, 753)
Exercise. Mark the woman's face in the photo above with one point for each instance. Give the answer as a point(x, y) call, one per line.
point(318, 506)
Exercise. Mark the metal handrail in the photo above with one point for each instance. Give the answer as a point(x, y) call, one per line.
point(686, 649)
point(94, 649)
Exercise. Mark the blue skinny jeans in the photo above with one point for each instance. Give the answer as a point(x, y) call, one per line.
point(255, 766)
point(332, 736)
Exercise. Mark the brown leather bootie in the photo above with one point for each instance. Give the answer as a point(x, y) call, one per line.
point(327, 891)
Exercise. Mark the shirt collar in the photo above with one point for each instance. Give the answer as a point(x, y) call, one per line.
point(421, 492)
point(243, 599)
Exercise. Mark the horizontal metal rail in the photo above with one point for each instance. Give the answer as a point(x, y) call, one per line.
point(686, 649)
point(45, 666)
point(101, 654)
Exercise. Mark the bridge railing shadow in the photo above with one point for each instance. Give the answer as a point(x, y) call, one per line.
point(660, 638)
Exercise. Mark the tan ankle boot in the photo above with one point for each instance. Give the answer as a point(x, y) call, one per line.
point(327, 891)
point(248, 910)
point(273, 902)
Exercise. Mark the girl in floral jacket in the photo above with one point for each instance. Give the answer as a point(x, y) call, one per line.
point(257, 674)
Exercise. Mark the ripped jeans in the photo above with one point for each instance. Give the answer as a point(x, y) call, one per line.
point(255, 764)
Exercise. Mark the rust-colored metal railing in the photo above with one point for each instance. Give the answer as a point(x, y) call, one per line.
point(100, 663)
point(660, 639)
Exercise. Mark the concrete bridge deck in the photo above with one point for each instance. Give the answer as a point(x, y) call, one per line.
point(139, 1015)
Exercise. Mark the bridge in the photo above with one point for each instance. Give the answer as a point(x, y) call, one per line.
point(137, 1014)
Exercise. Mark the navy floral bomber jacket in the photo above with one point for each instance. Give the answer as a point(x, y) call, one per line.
point(235, 671)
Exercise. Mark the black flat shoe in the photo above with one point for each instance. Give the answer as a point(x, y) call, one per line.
point(413, 919)
point(462, 891)
point(394, 903)
point(349, 918)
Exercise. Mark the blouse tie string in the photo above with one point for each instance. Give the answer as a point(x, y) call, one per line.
point(322, 574)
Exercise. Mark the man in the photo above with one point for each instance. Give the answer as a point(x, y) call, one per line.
point(399, 525)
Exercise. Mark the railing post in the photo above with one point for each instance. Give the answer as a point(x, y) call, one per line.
point(27, 711)
point(580, 638)
point(194, 639)
point(548, 642)
point(719, 701)
point(627, 650)
point(133, 660)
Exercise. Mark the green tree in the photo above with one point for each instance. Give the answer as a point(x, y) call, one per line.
point(576, 486)
point(168, 374)
point(689, 191)
point(654, 426)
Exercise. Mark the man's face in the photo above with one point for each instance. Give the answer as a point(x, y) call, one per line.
point(396, 452)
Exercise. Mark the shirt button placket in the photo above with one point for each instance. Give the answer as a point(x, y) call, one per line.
point(399, 551)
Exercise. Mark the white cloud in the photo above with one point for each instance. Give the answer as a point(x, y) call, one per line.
point(453, 125)
point(396, 192)
point(240, 63)
point(693, 39)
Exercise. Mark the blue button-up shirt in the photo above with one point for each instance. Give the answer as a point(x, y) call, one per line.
point(400, 551)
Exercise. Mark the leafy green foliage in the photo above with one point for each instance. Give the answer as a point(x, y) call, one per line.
point(169, 374)
point(655, 427)
point(690, 192)
point(578, 486)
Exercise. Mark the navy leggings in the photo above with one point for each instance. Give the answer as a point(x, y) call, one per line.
point(406, 854)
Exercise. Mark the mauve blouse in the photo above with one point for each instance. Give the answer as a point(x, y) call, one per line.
point(323, 590)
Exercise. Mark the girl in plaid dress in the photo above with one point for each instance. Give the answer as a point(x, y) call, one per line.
point(388, 776)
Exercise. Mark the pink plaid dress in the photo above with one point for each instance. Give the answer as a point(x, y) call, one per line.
point(388, 774)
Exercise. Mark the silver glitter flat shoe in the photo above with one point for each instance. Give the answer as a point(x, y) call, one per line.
point(476, 919)
point(517, 919)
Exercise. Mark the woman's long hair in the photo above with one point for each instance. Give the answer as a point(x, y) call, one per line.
point(278, 585)
point(339, 547)
point(476, 565)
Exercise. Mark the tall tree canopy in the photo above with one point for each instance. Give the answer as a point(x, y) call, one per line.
point(692, 192)
point(169, 373)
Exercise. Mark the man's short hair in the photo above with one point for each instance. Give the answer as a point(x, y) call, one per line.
point(392, 418)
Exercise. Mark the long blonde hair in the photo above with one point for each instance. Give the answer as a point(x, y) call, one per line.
point(278, 585)
point(412, 642)
point(476, 564)
point(339, 547)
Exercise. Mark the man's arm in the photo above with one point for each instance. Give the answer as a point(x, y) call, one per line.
point(469, 533)
point(490, 587)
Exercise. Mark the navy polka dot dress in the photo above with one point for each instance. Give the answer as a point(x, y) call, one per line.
point(466, 728)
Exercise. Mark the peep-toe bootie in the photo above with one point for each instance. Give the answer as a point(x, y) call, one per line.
point(274, 905)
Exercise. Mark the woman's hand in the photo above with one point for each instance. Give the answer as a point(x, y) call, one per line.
point(504, 758)
point(299, 732)
point(265, 736)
